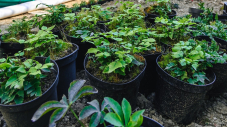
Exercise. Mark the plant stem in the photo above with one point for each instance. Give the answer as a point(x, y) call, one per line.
point(81, 123)
point(104, 124)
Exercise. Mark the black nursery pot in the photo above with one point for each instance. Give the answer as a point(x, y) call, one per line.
point(67, 72)
point(10, 48)
point(220, 71)
point(195, 12)
point(148, 83)
point(151, 17)
point(20, 115)
point(84, 46)
point(179, 100)
point(126, 90)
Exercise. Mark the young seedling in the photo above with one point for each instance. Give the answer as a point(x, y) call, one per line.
point(75, 92)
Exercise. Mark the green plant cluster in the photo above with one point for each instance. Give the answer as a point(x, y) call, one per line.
point(110, 110)
point(55, 16)
point(160, 7)
point(45, 44)
point(172, 31)
point(18, 30)
point(189, 60)
point(84, 24)
point(21, 80)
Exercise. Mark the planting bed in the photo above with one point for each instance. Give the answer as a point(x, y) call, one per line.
point(178, 87)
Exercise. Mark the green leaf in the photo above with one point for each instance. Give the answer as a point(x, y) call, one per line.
point(57, 115)
point(21, 69)
point(115, 106)
point(139, 121)
point(127, 110)
point(47, 60)
point(87, 111)
point(95, 119)
point(113, 119)
point(74, 88)
point(2, 60)
point(135, 116)
point(11, 80)
point(195, 65)
point(5, 65)
point(113, 66)
point(18, 100)
point(47, 107)
point(92, 50)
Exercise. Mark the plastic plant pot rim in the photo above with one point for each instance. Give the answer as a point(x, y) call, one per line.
point(56, 79)
point(118, 84)
point(77, 48)
point(183, 81)
point(174, 14)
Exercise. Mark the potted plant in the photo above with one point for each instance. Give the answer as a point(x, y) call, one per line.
point(171, 32)
point(197, 12)
point(75, 92)
point(113, 69)
point(45, 43)
point(109, 111)
point(26, 84)
point(140, 41)
point(160, 8)
point(128, 14)
point(55, 17)
point(17, 30)
point(85, 25)
point(183, 81)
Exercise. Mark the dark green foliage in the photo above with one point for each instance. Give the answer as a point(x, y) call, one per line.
point(21, 80)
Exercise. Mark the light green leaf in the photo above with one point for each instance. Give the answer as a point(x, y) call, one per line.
point(127, 110)
point(113, 119)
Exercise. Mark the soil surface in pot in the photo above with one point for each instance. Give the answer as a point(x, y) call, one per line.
point(93, 68)
point(65, 53)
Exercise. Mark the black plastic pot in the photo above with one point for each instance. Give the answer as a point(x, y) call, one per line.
point(148, 83)
point(58, 32)
point(119, 91)
point(203, 37)
point(179, 100)
point(20, 115)
point(220, 71)
point(101, 2)
point(67, 72)
point(10, 48)
point(147, 122)
point(84, 46)
point(195, 12)
point(151, 17)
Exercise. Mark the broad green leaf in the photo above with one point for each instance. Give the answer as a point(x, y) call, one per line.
point(115, 106)
point(113, 119)
point(135, 116)
point(92, 50)
point(47, 107)
point(47, 60)
point(57, 115)
point(95, 104)
point(114, 65)
point(18, 100)
point(95, 119)
point(195, 65)
point(21, 69)
point(127, 110)
point(11, 80)
point(5, 65)
point(84, 91)
point(2, 60)
point(139, 121)
point(74, 88)
point(87, 111)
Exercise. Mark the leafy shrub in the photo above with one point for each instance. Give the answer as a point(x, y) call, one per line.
point(44, 43)
point(21, 80)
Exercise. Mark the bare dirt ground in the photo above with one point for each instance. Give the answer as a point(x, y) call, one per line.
point(216, 108)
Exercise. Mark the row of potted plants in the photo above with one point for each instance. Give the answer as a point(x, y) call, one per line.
point(122, 55)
